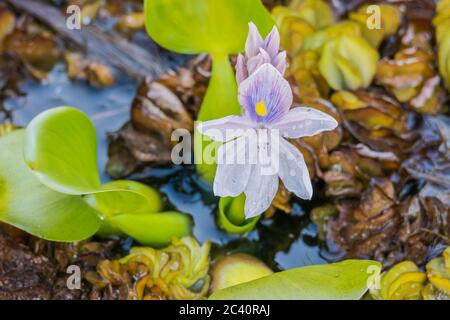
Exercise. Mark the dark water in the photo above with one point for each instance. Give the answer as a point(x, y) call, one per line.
point(284, 242)
point(108, 108)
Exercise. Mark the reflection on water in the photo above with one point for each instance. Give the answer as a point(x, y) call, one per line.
point(284, 242)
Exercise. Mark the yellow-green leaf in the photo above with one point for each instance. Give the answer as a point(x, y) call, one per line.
point(347, 280)
point(29, 205)
point(60, 148)
point(200, 26)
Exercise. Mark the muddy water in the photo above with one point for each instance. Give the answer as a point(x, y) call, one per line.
point(287, 241)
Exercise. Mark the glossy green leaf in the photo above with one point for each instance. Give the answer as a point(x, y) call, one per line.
point(31, 206)
point(60, 148)
point(125, 197)
point(154, 229)
point(200, 26)
point(221, 98)
point(347, 280)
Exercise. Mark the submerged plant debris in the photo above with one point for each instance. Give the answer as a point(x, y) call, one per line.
point(381, 179)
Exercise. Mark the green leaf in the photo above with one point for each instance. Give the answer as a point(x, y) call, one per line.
point(152, 229)
point(232, 217)
point(29, 205)
point(125, 197)
point(60, 148)
point(200, 26)
point(347, 280)
point(221, 98)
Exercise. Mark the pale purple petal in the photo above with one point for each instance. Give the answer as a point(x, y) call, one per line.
point(272, 42)
point(303, 122)
point(293, 171)
point(241, 69)
point(268, 85)
point(233, 171)
point(260, 192)
point(225, 129)
point(257, 61)
point(254, 41)
point(280, 63)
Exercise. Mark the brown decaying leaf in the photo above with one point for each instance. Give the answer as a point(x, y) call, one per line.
point(156, 112)
point(97, 74)
point(159, 108)
point(378, 227)
point(377, 121)
point(382, 225)
point(7, 23)
point(411, 75)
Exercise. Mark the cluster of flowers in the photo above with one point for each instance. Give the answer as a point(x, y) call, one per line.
point(266, 99)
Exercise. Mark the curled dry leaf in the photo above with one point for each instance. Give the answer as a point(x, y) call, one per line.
point(382, 225)
point(159, 110)
point(160, 106)
point(97, 74)
point(156, 112)
point(411, 75)
point(375, 226)
point(376, 120)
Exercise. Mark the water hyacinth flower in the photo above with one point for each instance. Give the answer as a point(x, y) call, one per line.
point(259, 52)
point(256, 140)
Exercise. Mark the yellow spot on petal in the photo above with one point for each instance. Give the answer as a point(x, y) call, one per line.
point(261, 108)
